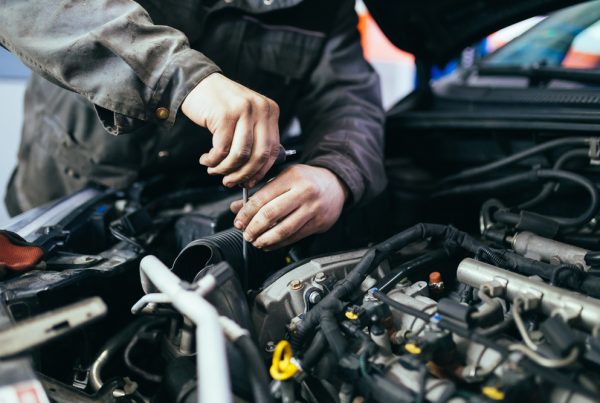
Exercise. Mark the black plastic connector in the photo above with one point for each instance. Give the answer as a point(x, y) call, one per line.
point(456, 313)
point(559, 335)
point(137, 222)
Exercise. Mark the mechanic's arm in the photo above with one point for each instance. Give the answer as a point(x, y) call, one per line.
point(343, 158)
point(136, 72)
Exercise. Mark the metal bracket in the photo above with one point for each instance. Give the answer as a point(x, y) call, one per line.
point(32, 332)
point(594, 151)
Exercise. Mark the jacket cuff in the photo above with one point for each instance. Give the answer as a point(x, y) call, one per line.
point(346, 171)
point(182, 74)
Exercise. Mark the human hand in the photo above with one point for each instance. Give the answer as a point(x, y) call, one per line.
point(301, 201)
point(244, 125)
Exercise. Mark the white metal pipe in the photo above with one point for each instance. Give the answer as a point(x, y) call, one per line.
point(211, 358)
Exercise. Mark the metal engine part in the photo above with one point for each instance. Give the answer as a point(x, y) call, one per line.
point(547, 250)
point(572, 306)
point(295, 291)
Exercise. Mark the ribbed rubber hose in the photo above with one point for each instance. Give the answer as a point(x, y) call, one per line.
point(223, 246)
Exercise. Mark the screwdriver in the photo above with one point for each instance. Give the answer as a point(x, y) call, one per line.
point(281, 158)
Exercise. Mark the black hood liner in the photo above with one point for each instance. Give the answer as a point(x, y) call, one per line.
point(436, 31)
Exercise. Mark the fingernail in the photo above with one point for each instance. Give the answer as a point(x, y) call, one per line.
point(247, 237)
point(238, 224)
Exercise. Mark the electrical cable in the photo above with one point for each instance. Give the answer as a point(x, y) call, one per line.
point(534, 175)
point(257, 371)
point(497, 328)
point(512, 159)
point(422, 384)
point(564, 222)
point(552, 187)
point(401, 307)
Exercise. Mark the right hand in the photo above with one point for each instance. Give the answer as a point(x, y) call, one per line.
point(244, 125)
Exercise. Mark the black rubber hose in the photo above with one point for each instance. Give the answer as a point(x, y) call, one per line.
point(224, 246)
point(484, 169)
point(333, 334)
point(111, 347)
point(257, 371)
point(497, 328)
point(592, 259)
point(489, 185)
point(550, 188)
point(315, 351)
point(588, 185)
point(534, 175)
point(410, 267)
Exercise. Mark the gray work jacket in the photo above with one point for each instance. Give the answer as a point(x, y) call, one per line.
point(110, 77)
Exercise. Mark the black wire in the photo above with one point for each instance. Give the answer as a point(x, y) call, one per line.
point(497, 328)
point(534, 175)
point(554, 279)
point(402, 307)
point(421, 395)
point(592, 259)
point(116, 232)
point(315, 351)
point(257, 372)
point(488, 185)
point(483, 169)
point(551, 187)
point(408, 268)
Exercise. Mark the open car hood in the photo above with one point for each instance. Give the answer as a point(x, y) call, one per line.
point(435, 31)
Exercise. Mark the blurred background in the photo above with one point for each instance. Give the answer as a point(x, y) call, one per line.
point(13, 77)
point(395, 67)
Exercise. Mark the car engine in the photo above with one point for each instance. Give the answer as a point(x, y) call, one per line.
point(144, 295)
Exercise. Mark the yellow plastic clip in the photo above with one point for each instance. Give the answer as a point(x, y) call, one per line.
point(351, 315)
point(492, 393)
point(282, 367)
point(412, 348)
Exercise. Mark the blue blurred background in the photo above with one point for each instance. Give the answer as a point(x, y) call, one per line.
point(13, 76)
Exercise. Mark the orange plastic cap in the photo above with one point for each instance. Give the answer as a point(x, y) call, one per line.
point(435, 277)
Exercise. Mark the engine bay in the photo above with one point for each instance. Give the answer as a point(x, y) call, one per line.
point(144, 295)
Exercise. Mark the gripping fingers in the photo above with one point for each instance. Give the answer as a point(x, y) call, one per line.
point(306, 230)
point(236, 206)
point(266, 143)
point(241, 150)
point(265, 169)
point(270, 214)
point(284, 230)
point(222, 138)
point(257, 201)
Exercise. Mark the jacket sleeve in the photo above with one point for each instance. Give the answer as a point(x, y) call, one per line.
point(342, 115)
point(110, 52)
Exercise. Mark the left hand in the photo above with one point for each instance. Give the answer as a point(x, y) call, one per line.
point(301, 201)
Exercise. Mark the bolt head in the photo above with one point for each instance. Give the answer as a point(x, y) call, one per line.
point(295, 285)
point(320, 277)
point(314, 297)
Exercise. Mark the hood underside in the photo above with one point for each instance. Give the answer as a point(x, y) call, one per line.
point(435, 31)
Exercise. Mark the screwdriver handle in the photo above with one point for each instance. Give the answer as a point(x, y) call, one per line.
point(283, 155)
